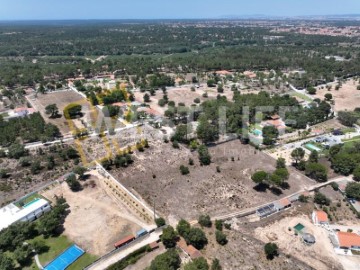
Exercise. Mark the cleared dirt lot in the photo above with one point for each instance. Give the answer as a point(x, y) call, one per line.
point(184, 95)
point(246, 252)
point(346, 98)
point(61, 99)
point(319, 255)
point(155, 175)
point(96, 221)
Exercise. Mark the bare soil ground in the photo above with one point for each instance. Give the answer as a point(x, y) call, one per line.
point(346, 98)
point(320, 255)
point(61, 99)
point(96, 221)
point(246, 252)
point(155, 175)
point(183, 94)
point(96, 148)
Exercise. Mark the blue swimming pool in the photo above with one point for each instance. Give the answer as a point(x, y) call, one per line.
point(312, 147)
point(30, 203)
point(65, 259)
point(257, 132)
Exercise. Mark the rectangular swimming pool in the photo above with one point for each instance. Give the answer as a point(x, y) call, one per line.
point(312, 147)
point(30, 203)
point(65, 259)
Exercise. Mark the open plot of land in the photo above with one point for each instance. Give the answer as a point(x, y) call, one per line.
point(320, 255)
point(339, 209)
point(184, 95)
point(61, 99)
point(155, 175)
point(96, 148)
point(243, 251)
point(96, 221)
point(346, 98)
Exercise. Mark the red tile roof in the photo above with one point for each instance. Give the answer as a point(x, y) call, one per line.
point(120, 104)
point(154, 245)
point(223, 72)
point(189, 249)
point(348, 240)
point(321, 216)
point(285, 202)
point(193, 252)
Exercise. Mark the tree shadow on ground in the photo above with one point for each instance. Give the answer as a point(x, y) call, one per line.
point(285, 185)
point(261, 187)
point(276, 191)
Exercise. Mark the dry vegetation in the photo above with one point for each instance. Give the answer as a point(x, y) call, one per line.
point(155, 175)
point(346, 98)
point(339, 208)
point(245, 252)
point(96, 148)
point(61, 99)
point(20, 180)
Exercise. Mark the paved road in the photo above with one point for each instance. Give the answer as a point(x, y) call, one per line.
point(117, 256)
point(303, 92)
point(71, 138)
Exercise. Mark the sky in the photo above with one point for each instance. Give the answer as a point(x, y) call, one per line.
point(168, 9)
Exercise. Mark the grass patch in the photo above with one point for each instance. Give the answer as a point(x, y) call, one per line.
point(348, 130)
point(356, 138)
point(82, 262)
point(302, 96)
point(350, 143)
point(56, 246)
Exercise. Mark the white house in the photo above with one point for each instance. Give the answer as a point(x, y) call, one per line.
point(10, 213)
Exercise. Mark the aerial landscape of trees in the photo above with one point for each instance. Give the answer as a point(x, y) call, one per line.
point(191, 49)
point(31, 128)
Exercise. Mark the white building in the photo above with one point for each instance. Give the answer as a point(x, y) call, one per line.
point(11, 213)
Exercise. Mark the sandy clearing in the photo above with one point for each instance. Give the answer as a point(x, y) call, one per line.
point(321, 255)
point(95, 220)
point(346, 98)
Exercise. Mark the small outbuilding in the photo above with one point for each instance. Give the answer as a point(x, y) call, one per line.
point(319, 217)
point(308, 238)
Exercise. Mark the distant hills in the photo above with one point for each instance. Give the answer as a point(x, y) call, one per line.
point(304, 17)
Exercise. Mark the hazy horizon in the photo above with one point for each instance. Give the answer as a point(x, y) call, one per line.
point(18, 10)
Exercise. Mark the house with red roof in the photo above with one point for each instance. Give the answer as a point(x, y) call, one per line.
point(188, 249)
point(319, 217)
point(348, 240)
